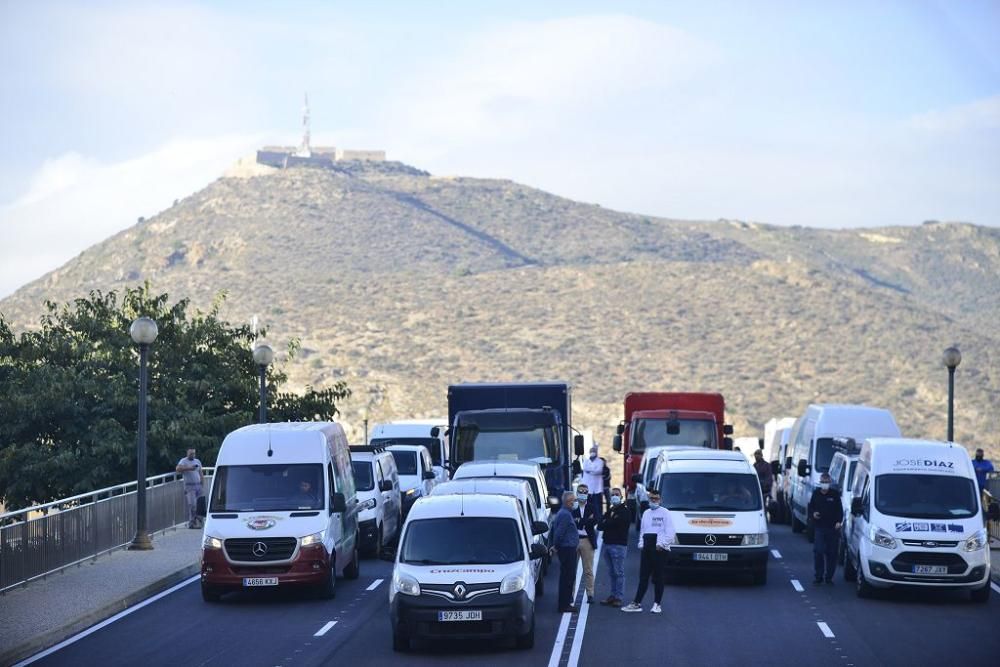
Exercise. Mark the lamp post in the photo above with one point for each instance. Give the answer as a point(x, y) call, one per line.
point(143, 332)
point(263, 355)
point(952, 358)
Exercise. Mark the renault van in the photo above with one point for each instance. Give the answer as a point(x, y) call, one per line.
point(282, 511)
point(916, 519)
point(717, 509)
point(529, 471)
point(464, 569)
point(380, 507)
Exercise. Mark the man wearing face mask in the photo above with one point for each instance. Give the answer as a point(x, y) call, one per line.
point(586, 524)
point(982, 466)
point(656, 534)
point(614, 526)
point(593, 477)
point(826, 514)
point(565, 540)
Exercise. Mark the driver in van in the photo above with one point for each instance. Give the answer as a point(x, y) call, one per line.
point(305, 497)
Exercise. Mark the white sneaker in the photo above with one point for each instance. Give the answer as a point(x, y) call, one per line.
point(631, 607)
point(656, 609)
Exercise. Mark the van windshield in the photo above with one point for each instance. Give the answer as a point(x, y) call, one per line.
point(926, 496)
point(462, 541)
point(258, 488)
point(433, 445)
point(363, 478)
point(710, 491)
point(406, 462)
point(653, 433)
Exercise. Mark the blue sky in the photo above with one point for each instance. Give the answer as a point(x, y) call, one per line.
point(821, 114)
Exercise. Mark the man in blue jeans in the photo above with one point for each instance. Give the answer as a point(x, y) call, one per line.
point(614, 525)
point(565, 540)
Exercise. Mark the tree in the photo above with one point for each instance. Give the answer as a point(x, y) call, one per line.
point(68, 392)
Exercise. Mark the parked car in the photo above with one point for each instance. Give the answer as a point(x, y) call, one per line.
point(380, 515)
point(416, 473)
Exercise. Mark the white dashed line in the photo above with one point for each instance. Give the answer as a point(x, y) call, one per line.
point(825, 629)
point(325, 629)
point(374, 585)
point(797, 586)
point(776, 553)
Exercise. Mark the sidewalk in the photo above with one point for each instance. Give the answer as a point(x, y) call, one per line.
point(49, 610)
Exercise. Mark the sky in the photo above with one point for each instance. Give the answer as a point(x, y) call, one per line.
point(838, 115)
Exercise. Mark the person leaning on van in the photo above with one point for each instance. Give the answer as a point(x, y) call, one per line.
point(826, 513)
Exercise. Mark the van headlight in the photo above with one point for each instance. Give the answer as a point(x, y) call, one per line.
point(512, 583)
point(315, 538)
point(880, 538)
point(405, 584)
point(755, 540)
point(977, 541)
point(211, 542)
point(368, 504)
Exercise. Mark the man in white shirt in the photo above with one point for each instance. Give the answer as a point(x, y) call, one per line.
point(190, 469)
point(593, 477)
point(656, 534)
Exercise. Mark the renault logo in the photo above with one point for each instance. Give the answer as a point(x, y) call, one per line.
point(459, 590)
point(710, 540)
point(259, 549)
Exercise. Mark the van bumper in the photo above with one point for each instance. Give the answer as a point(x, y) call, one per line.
point(738, 559)
point(507, 615)
point(310, 566)
point(885, 569)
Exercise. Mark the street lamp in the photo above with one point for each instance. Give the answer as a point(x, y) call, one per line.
point(952, 358)
point(263, 355)
point(143, 332)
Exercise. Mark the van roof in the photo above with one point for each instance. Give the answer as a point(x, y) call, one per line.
point(288, 443)
point(504, 486)
point(405, 448)
point(502, 468)
point(485, 504)
point(916, 456)
point(704, 454)
point(855, 421)
point(706, 460)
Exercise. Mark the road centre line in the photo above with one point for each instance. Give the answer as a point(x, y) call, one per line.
point(797, 586)
point(581, 621)
point(325, 629)
point(825, 629)
point(374, 585)
point(776, 553)
point(103, 624)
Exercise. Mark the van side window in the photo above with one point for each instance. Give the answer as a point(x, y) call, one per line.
point(331, 478)
point(864, 499)
point(379, 476)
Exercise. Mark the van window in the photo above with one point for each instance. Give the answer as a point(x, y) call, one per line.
point(824, 454)
point(710, 491)
point(433, 445)
point(406, 462)
point(363, 479)
point(926, 496)
point(850, 475)
point(837, 472)
point(462, 541)
point(428, 464)
point(256, 488)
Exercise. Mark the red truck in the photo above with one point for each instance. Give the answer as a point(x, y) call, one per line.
point(662, 419)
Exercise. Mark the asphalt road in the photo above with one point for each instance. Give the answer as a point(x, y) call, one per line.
point(706, 621)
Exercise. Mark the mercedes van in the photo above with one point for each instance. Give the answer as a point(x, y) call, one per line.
point(717, 509)
point(282, 511)
point(464, 569)
point(917, 520)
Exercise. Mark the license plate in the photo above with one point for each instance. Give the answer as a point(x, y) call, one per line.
point(463, 615)
point(930, 569)
point(711, 556)
point(260, 581)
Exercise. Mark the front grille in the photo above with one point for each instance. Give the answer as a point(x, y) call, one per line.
point(698, 540)
point(905, 561)
point(929, 544)
point(260, 550)
point(471, 591)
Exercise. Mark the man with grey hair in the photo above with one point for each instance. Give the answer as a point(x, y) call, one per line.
point(565, 539)
point(190, 469)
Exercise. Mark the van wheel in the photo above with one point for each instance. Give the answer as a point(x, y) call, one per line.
point(353, 569)
point(981, 594)
point(328, 588)
point(864, 589)
point(527, 640)
point(797, 526)
point(540, 586)
point(850, 574)
point(760, 574)
point(400, 642)
point(213, 594)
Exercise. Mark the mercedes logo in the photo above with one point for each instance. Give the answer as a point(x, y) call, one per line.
point(459, 590)
point(710, 540)
point(259, 549)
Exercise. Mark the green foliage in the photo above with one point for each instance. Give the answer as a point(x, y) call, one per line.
point(68, 393)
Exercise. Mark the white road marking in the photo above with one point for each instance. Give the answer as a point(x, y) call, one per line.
point(825, 629)
point(374, 585)
point(325, 629)
point(797, 586)
point(995, 587)
point(103, 624)
point(776, 553)
point(560, 640)
point(581, 621)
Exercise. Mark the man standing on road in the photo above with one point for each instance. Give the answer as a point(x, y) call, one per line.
point(565, 540)
point(586, 526)
point(593, 477)
point(763, 469)
point(826, 514)
point(190, 469)
point(656, 534)
point(615, 525)
point(982, 467)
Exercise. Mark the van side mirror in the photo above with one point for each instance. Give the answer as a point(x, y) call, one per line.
point(993, 512)
point(803, 468)
point(338, 503)
point(538, 551)
point(620, 429)
point(539, 527)
point(385, 486)
point(578, 445)
point(788, 463)
point(577, 469)
point(435, 432)
point(857, 507)
point(727, 429)
point(727, 443)
point(616, 443)
point(428, 474)
point(775, 468)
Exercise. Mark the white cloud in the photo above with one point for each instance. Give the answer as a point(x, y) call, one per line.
point(981, 114)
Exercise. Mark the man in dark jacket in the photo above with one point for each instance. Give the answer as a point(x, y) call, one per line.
point(826, 514)
point(586, 515)
point(565, 540)
point(615, 525)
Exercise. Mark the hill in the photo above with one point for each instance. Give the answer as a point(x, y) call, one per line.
point(401, 282)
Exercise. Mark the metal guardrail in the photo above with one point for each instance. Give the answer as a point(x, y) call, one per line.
point(40, 540)
point(991, 493)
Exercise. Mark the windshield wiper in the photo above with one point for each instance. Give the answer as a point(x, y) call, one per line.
point(426, 561)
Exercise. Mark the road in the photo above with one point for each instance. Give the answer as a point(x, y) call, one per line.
point(705, 622)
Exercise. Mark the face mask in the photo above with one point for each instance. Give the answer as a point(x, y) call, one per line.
point(576, 505)
point(616, 500)
point(582, 497)
point(824, 486)
point(979, 457)
point(654, 506)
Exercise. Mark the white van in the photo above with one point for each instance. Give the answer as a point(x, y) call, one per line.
point(380, 515)
point(416, 432)
point(781, 467)
point(529, 471)
point(717, 509)
point(464, 569)
point(812, 443)
point(916, 519)
point(505, 486)
point(282, 510)
point(416, 472)
point(843, 469)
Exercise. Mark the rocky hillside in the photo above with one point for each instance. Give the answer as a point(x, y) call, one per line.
point(401, 282)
